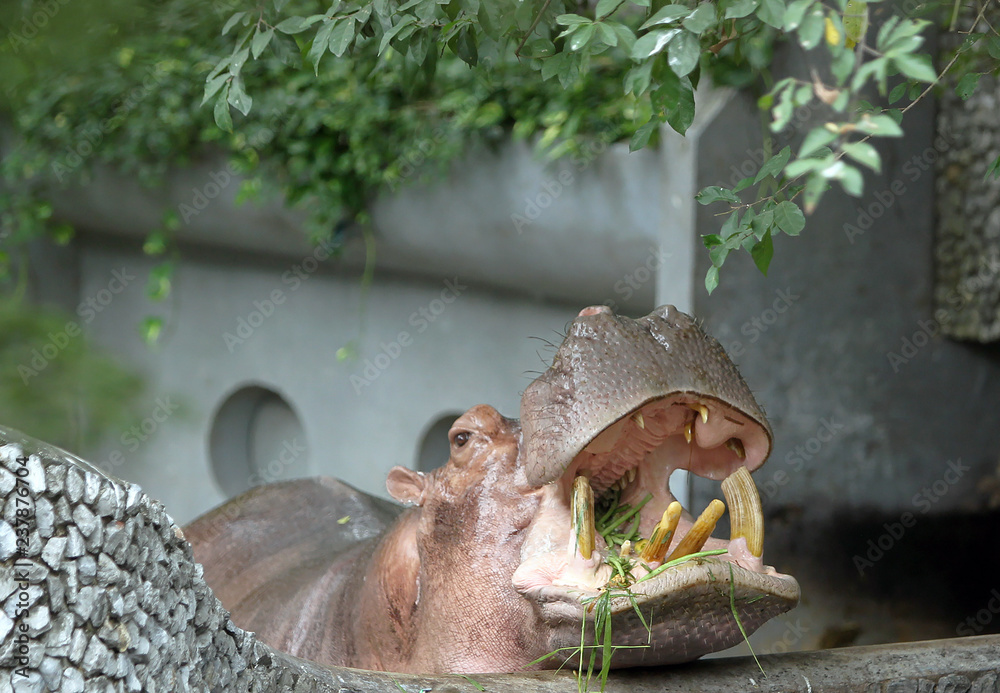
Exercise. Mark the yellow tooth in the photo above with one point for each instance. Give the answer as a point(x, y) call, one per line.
point(656, 548)
point(701, 409)
point(688, 431)
point(626, 549)
point(745, 517)
point(736, 445)
point(637, 417)
point(583, 516)
point(700, 531)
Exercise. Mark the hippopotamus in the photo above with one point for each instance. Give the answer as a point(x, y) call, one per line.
point(502, 553)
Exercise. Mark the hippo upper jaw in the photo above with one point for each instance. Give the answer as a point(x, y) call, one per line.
point(676, 403)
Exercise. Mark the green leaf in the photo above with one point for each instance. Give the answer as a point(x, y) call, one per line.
point(701, 19)
point(260, 41)
point(681, 115)
point(741, 8)
point(150, 329)
point(774, 165)
point(279, 5)
point(711, 278)
point(881, 125)
point(967, 85)
point(811, 29)
point(232, 22)
point(607, 34)
point(795, 13)
point(391, 33)
point(223, 118)
point(667, 14)
point(212, 86)
point(762, 252)
point(864, 154)
point(715, 193)
point(638, 78)
point(571, 20)
point(817, 137)
point(816, 185)
point(712, 239)
point(772, 12)
point(789, 218)
point(342, 36)
point(849, 177)
point(898, 92)
point(625, 36)
point(743, 184)
point(296, 25)
point(993, 170)
point(652, 43)
point(718, 254)
point(800, 166)
point(916, 67)
point(683, 53)
point(320, 43)
point(642, 134)
point(466, 47)
point(993, 47)
point(606, 7)
point(238, 97)
point(581, 37)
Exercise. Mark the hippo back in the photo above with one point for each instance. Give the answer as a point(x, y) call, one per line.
point(278, 555)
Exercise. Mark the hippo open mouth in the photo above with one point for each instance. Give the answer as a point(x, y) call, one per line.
point(601, 443)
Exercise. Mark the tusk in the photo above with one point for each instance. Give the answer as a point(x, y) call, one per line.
point(701, 409)
point(583, 516)
point(736, 445)
point(656, 548)
point(700, 531)
point(745, 515)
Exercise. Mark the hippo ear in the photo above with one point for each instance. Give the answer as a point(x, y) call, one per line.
point(406, 486)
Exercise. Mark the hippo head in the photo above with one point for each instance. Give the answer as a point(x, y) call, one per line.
point(529, 524)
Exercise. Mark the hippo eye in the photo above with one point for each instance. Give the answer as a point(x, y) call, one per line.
point(460, 439)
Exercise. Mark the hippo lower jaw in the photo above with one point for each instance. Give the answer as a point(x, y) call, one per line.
point(688, 607)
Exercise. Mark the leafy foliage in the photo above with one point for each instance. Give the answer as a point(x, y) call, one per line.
point(667, 46)
point(329, 140)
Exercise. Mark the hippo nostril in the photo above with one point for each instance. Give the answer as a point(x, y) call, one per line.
point(593, 310)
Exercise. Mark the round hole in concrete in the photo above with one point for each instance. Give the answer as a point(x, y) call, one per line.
point(434, 446)
point(256, 438)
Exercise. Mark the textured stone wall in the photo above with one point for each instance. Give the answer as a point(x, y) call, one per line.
point(967, 250)
point(100, 593)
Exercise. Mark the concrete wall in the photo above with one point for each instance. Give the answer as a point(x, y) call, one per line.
point(424, 349)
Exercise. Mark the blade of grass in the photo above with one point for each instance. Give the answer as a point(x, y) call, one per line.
point(732, 605)
point(678, 561)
